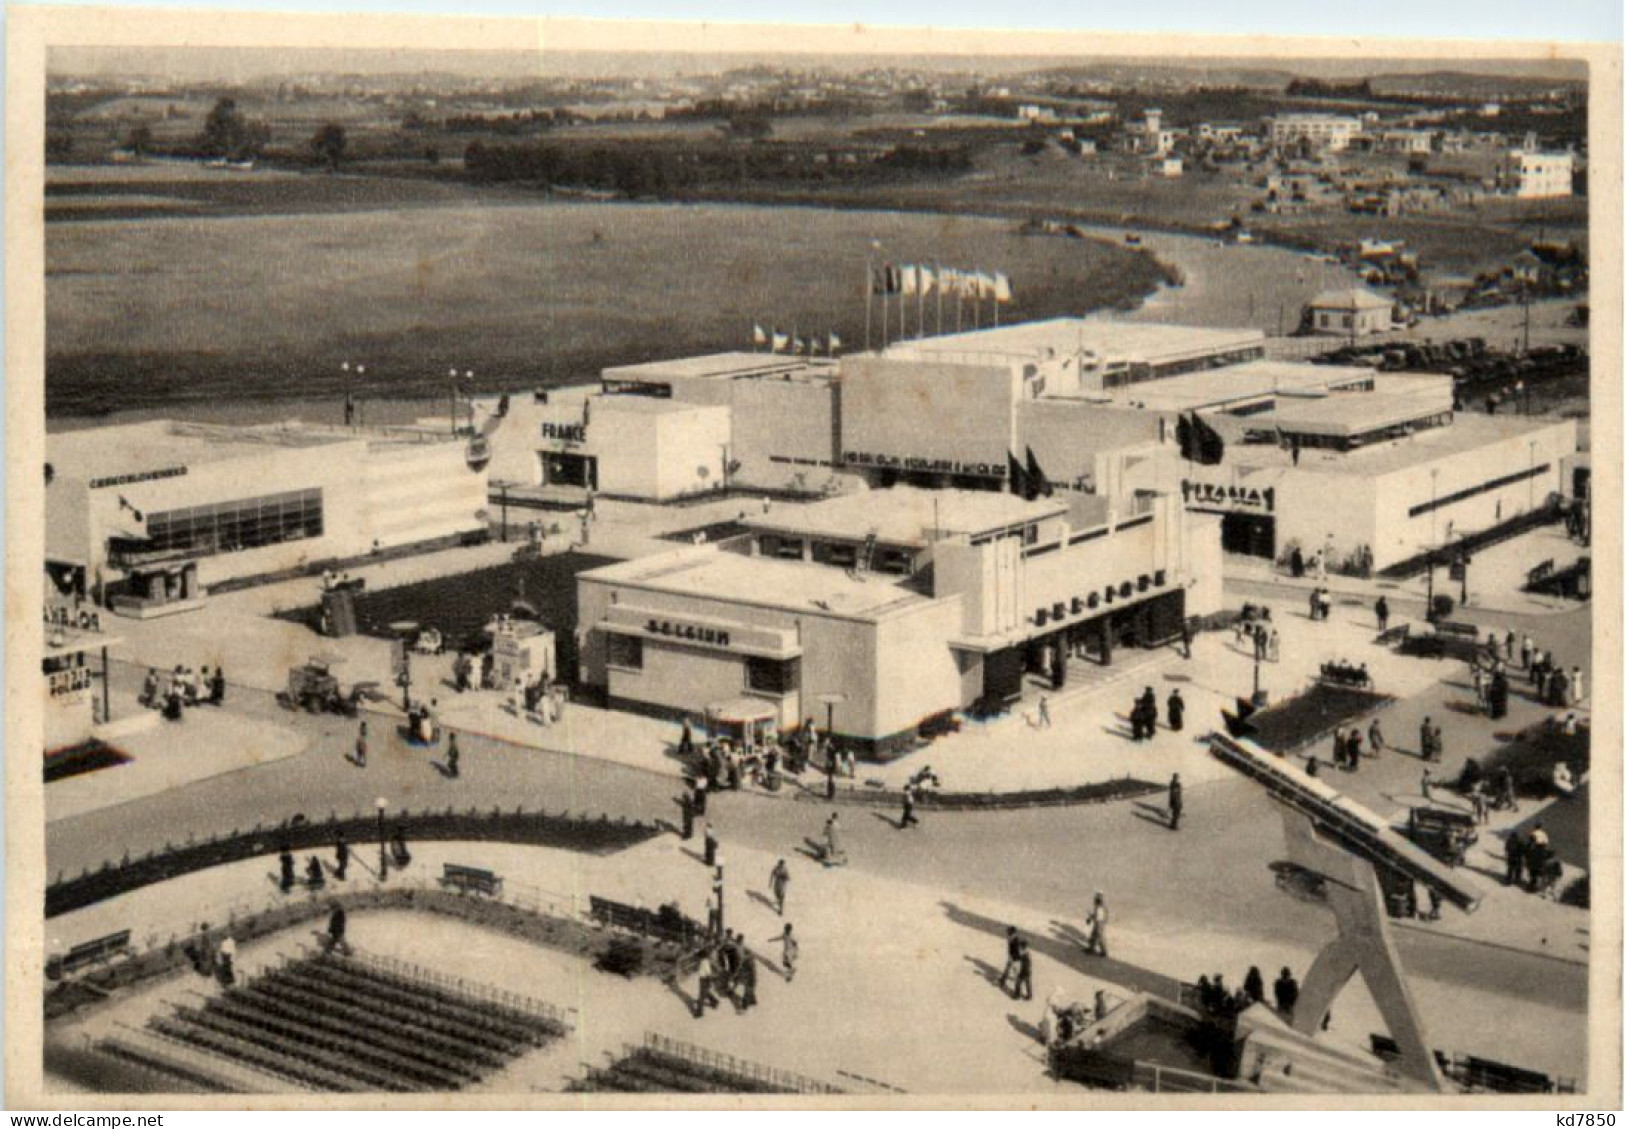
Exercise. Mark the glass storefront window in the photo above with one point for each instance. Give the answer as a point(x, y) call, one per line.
point(229, 527)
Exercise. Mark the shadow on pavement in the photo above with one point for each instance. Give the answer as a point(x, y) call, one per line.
point(1065, 947)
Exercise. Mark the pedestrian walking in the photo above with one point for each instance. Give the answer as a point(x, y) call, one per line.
point(711, 976)
point(1577, 691)
point(1012, 957)
point(834, 853)
point(791, 952)
point(685, 743)
point(1150, 700)
point(453, 756)
point(1043, 711)
point(1024, 973)
point(701, 792)
point(829, 775)
point(909, 819)
point(361, 746)
point(1374, 739)
point(1253, 985)
point(779, 883)
point(1427, 783)
point(1382, 614)
point(745, 979)
point(1526, 652)
point(285, 857)
point(1176, 802)
point(1480, 802)
point(341, 857)
point(1096, 922)
point(1286, 994)
point(336, 924)
point(1351, 748)
point(1516, 848)
point(1274, 652)
point(217, 687)
point(710, 844)
point(1176, 712)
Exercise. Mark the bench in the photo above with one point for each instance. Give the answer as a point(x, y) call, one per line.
point(471, 879)
point(1456, 630)
point(98, 951)
point(1443, 833)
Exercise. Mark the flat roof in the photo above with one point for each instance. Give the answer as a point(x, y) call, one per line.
point(1350, 300)
point(131, 448)
point(1357, 413)
point(1149, 342)
point(1231, 384)
point(717, 574)
point(907, 515)
point(1467, 432)
point(724, 366)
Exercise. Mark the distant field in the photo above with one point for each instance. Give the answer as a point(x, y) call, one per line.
point(144, 311)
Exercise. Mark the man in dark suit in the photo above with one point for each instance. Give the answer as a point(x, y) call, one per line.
point(1176, 802)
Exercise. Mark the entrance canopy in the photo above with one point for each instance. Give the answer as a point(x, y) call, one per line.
point(742, 711)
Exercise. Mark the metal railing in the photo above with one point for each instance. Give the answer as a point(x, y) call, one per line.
point(468, 989)
point(770, 1077)
point(1161, 1079)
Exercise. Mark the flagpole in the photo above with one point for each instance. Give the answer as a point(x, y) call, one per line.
point(868, 299)
point(995, 301)
point(919, 329)
point(939, 299)
point(902, 305)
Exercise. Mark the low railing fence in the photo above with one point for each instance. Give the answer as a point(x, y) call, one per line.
point(579, 833)
point(769, 1076)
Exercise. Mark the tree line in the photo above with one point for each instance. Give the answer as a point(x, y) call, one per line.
point(643, 169)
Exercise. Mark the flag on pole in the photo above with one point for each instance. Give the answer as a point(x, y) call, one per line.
point(834, 343)
point(1037, 481)
point(888, 279)
point(1001, 288)
point(781, 341)
point(758, 335)
point(911, 280)
point(984, 285)
point(798, 347)
point(928, 281)
point(1019, 485)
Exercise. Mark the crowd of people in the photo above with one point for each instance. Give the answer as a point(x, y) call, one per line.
point(181, 689)
point(1144, 714)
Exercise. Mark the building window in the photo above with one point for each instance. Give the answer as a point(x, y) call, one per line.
point(773, 676)
point(230, 527)
point(625, 651)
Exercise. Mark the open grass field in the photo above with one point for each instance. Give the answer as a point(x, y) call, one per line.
point(144, 311)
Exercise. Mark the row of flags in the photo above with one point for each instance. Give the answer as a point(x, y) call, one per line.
point(917, 281)
point(1198, 442)
point(793, 343)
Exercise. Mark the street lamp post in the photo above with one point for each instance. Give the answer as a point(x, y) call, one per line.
point(383, 844)
point(404, 629)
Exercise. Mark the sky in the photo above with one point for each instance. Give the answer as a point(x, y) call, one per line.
point(199, 64)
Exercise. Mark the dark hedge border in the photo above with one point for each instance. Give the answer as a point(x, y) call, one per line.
point(577, 833)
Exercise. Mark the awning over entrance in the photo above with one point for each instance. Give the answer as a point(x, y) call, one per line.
point(742, 711)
